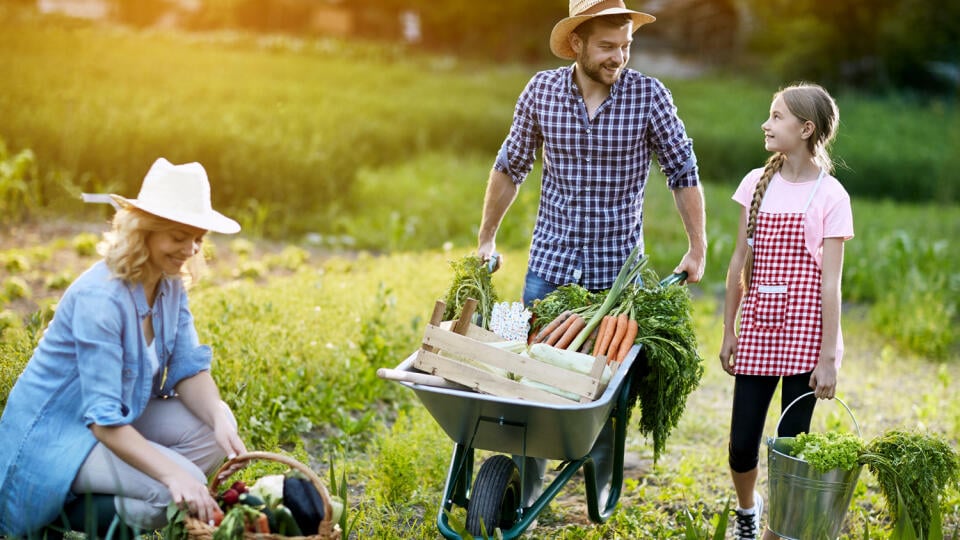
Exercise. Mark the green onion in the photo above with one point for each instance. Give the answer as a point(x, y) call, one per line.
point(628, 272)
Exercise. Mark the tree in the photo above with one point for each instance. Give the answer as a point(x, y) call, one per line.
point(872, 45)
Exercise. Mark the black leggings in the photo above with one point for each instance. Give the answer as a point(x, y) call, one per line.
point(751, 400)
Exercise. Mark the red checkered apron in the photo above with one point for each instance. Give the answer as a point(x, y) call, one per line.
point(781, 318)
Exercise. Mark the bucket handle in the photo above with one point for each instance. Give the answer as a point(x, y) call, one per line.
point(855, 424)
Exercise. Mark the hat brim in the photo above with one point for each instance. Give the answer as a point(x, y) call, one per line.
point(559, 42)
point(210, 220)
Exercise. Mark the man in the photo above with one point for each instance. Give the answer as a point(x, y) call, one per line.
point(598, 124)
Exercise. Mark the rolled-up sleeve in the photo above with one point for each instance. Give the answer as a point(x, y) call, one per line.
point(98, 329)
point(189, 356)
point(670, 142)
point(519, 149)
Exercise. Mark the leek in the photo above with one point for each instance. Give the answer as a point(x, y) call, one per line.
point(634, 263)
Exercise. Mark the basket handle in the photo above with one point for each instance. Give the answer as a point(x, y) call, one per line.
point(292, 463)
point(855, 424)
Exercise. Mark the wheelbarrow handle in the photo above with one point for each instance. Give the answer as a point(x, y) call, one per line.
point(674, 278)
point(424, 379)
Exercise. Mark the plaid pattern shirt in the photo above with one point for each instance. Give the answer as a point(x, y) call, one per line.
point(594, 170)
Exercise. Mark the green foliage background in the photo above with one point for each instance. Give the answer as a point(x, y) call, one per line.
point(284, 125)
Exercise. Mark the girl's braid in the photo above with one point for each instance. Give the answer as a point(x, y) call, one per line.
point(774, 163)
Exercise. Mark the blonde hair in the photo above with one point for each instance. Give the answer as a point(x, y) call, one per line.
point(809, 103)
point(124, 247)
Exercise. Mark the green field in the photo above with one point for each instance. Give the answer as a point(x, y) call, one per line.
point(283, 125)
point(358, 173)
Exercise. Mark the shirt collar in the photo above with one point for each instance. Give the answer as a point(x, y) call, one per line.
point(140, 296)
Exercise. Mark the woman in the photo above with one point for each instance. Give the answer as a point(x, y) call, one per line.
point(118, 399)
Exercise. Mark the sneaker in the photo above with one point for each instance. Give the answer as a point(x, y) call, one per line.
point(746, 525)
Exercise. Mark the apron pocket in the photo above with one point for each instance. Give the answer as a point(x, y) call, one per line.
point(771, 308)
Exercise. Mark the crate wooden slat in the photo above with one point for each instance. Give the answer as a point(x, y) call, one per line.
point(450, 355)
point(482, 381)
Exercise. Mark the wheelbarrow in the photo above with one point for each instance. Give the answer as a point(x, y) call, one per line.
point(476, 421)
point(557, 430)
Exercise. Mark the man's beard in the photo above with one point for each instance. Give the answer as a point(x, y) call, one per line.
point(596, 71)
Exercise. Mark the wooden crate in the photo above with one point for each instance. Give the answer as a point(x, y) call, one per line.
point(450, 354)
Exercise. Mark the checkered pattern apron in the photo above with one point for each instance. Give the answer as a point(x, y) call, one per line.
point(781, 324)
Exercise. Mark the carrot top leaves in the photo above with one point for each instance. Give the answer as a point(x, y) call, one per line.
point(471, 279)
point(570, 297)
point(665, 319)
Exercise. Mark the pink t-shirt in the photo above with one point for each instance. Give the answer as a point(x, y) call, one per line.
point(828, 216)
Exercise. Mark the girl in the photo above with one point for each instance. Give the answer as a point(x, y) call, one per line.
point(117, 409)
point(786, 270)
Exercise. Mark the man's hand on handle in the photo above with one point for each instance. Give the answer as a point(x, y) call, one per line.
point(693, 265)
point(487, 251)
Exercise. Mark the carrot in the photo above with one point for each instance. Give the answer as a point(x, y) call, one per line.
point(263, 524)
point(549, 328)
point(632, 330)
point(620, 330)
point(571, 332)
point(607, 336)
point(601, 332)
point(558, 332)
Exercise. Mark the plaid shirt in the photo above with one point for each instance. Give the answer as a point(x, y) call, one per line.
point(594, 171)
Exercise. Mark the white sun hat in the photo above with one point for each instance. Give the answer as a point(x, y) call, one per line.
point(583, 10)
point(179, 193)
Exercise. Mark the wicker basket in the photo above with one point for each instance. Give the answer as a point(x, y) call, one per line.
point(198, 530)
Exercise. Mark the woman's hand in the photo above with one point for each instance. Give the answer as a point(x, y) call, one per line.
point(823, 380)
point(226, 434)
point(225, 431)
point(191, 496)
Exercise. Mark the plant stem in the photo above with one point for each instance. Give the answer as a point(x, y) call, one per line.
point(634, 263)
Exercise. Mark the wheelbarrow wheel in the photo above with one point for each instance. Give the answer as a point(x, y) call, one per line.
point(496, 496)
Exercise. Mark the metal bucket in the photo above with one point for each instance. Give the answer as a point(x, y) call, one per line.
point(805, 504)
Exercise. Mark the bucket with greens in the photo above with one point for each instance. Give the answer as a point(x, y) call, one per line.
point(812, 478)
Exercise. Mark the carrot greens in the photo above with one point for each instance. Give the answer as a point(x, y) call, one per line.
point(913, 470)
point(674, 367)
point(471, 279)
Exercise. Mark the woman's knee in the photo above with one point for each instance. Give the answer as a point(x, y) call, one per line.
point(142, 515)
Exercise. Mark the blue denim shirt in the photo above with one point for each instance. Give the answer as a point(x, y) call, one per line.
point(90, 367)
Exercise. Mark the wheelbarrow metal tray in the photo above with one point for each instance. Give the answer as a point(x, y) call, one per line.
point(506, 424)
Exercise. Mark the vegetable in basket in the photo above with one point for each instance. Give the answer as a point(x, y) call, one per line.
point(304, 502)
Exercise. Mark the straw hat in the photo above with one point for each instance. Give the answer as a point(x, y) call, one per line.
point(179, 193)
point(583, 10)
